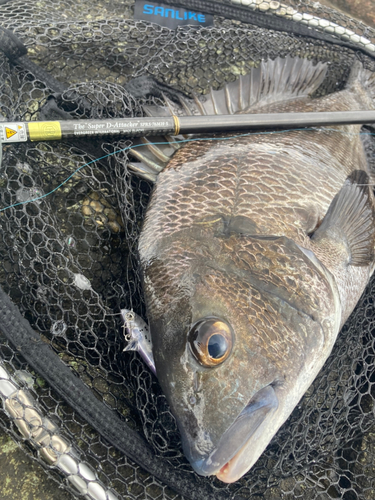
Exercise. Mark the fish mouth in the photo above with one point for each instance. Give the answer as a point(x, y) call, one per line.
point(232, 457)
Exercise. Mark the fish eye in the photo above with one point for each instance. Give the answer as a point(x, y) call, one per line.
point(211, 341)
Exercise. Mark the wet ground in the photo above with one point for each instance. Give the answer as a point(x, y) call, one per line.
point(21, 477)
point(364, 10)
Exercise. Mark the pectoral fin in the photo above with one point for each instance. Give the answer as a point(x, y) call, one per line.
point(348, 228)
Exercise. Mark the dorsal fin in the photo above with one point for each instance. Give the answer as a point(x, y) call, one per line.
point(152, 158)
point(270, 82)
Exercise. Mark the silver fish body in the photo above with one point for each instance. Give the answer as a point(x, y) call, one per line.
point(254, 251)
point(138, 337)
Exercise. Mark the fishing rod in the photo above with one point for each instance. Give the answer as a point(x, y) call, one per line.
point(11, 132)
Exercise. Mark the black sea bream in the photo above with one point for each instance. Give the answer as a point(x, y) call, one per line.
point(254, 252)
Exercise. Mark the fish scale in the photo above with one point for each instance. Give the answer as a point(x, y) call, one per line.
point(256, 247)
point(256, 190)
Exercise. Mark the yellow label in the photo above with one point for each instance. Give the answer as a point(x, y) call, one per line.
point(44, 131)
point(10, 132)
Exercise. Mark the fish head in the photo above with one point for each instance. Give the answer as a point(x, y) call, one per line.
point(240, 329)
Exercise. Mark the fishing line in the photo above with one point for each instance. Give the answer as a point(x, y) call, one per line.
point(178, 142)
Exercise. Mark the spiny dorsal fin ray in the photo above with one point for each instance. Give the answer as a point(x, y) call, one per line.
point(144, 156)
point(271, 81)
point(157, 150)
point(142, 170)
point(350, 220)
point(155, 156)
point(185, 107)
point(170, 104)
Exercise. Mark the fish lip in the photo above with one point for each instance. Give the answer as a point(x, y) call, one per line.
point(260, 407)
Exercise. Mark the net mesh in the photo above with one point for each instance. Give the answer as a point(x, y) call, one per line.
point(69, 261)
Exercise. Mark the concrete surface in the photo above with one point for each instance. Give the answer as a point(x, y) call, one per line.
point(22, 478)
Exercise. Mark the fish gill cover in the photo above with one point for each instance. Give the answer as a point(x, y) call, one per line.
point(69, 260)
